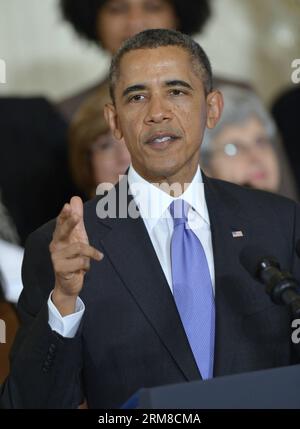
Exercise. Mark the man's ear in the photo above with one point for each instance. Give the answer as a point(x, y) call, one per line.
point(215, 105)
point(111, 118)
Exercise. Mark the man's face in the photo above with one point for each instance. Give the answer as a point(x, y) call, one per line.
point(118, 20)
point(161, 111)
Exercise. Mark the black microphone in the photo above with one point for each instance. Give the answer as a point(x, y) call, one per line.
point(280, 285)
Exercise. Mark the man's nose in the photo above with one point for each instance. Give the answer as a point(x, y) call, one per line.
point(158, 110)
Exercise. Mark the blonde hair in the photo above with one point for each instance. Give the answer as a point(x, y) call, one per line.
point(86, 127)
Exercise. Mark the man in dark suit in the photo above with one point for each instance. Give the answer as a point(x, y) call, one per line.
point(169, 301)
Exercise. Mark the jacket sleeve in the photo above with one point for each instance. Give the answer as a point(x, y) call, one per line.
point(45, 367)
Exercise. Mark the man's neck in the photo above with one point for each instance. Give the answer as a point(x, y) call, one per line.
point(175, 185)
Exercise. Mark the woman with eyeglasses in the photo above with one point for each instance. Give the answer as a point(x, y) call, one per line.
point(244, 148)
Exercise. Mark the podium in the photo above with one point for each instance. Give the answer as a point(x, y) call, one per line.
point(266, 389)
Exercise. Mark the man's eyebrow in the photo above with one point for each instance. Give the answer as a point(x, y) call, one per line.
point(133, 88)
point(178, 82)
point(168, 83)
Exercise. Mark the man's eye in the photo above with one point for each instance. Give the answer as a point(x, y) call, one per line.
point(176, 92)
point(137, 97)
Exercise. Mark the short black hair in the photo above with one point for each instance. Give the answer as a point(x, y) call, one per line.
point(82, 15)
point(151, 39)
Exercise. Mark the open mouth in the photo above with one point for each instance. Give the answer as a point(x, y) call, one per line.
point(161, 141)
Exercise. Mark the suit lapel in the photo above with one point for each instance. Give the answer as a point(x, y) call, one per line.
point(230, 232)
point(128, 246)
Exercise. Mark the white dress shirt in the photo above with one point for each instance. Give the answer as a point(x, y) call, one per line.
point(153, 204)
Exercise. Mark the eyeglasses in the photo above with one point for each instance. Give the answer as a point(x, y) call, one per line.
point(104, 143)
point(236, 148)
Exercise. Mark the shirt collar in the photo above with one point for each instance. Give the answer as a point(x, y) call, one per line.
point(153, 202)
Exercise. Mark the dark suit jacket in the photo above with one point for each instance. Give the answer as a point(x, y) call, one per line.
point(285, 112)
point(131, 335)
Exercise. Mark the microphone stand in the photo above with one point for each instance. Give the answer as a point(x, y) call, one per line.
point(280, 285)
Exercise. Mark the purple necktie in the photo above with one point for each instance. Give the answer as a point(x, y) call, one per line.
point(192, 289)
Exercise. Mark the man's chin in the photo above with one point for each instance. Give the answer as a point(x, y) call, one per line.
point(164, 170)
point(158, 170)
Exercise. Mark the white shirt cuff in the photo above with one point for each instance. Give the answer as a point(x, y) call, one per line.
point(65, 326)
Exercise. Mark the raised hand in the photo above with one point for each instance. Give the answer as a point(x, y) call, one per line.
point(71, 255)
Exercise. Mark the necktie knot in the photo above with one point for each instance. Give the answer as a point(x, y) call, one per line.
point(179, 211)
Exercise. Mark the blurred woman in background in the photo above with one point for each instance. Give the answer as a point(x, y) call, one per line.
point(244, 148)
point(95, 155)
point(108, 23)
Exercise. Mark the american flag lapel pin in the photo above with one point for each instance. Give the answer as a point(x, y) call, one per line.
point(237, 234)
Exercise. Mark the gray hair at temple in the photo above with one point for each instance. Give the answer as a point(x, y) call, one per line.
point(240, 104)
